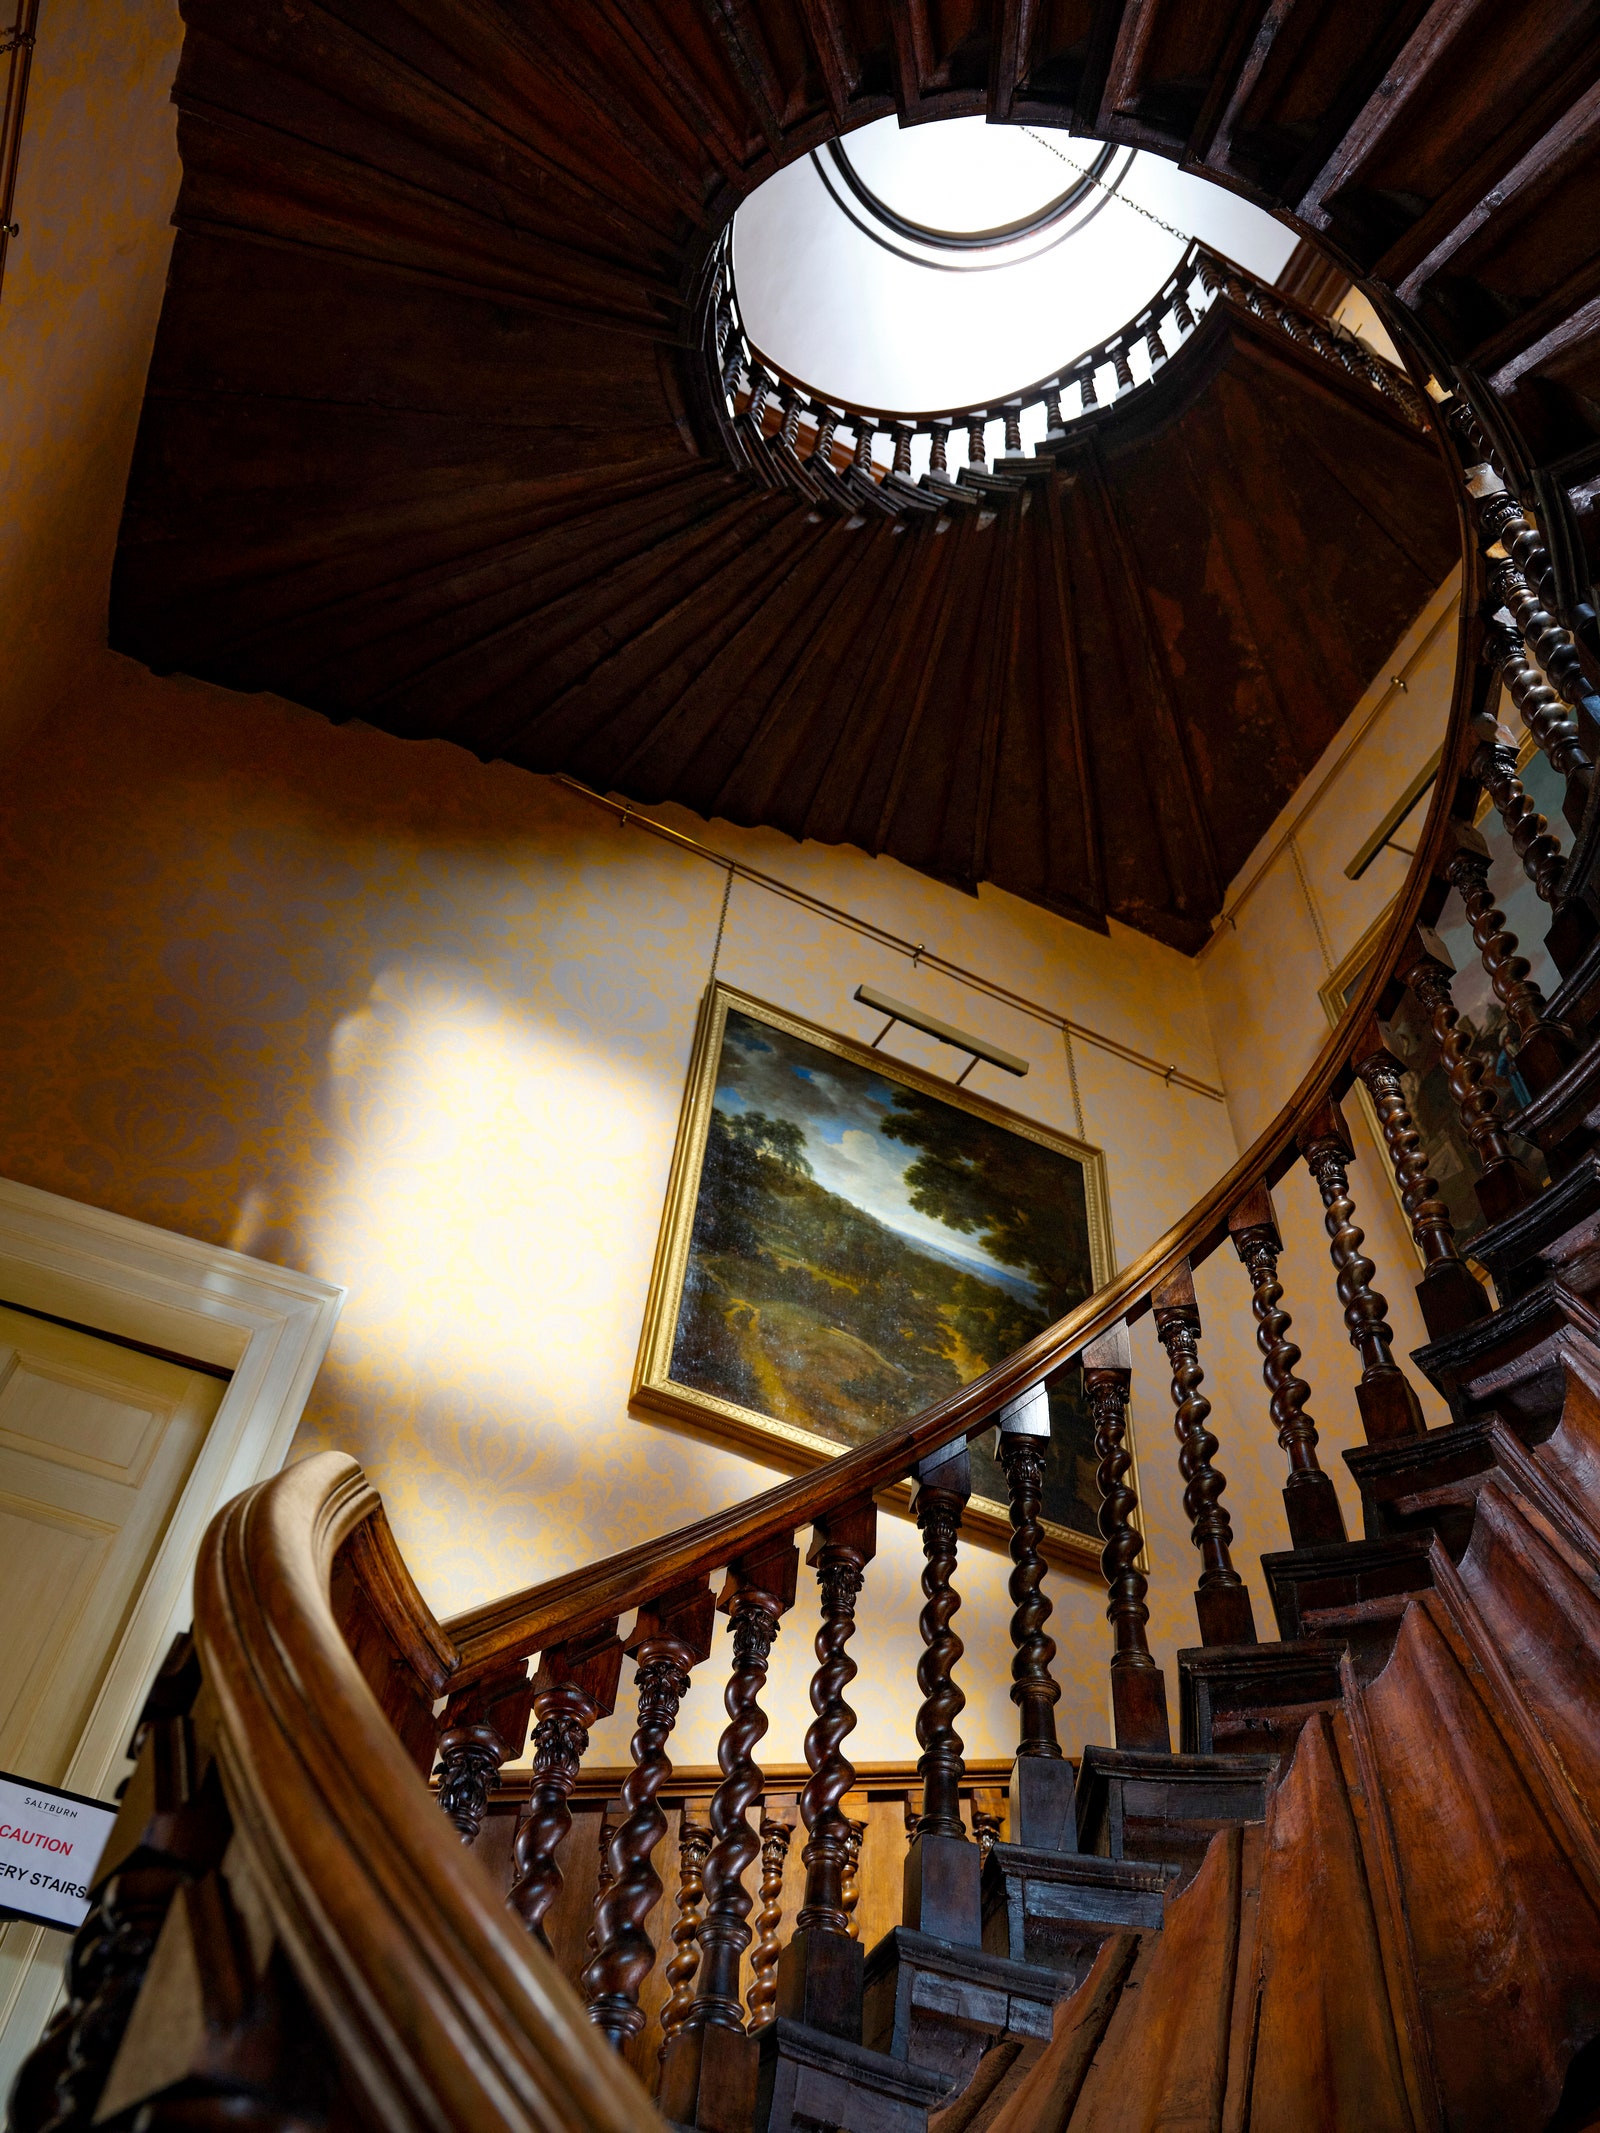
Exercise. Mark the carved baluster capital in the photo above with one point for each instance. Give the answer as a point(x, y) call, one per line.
point(484, 1726)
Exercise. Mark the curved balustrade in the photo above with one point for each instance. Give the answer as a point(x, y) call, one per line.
point(431, 2003)
point(790, 434)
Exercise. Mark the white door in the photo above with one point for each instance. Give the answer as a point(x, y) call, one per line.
point(96, 1443)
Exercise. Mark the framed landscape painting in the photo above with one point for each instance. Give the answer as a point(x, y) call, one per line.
point(847, 1240)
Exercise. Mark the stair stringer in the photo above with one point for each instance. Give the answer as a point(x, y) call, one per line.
point(1501, 1915)
point(1330, 2049)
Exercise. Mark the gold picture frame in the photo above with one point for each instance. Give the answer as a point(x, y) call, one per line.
point(982, 1293)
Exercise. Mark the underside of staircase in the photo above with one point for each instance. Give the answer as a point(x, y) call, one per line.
point(432, 436)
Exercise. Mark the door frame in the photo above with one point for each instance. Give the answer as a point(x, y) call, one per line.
point(270, 1327)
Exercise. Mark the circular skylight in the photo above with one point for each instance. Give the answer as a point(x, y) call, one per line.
point(935, 267)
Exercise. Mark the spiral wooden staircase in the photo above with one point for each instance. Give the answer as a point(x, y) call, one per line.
point(441, 432)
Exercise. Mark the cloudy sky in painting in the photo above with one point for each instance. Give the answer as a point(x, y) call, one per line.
point(839, 1107)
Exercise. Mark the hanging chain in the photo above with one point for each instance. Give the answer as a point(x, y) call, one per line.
point(1109, 190)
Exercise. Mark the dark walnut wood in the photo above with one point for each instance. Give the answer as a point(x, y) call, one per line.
point(1222, 1600)
point(1034, 1689)
point(1386, 1398)
point(1551, 722)
point(694, 1848)
point(777, 1827)
point(708, 2076)
point(1544, 1048)
point(1494, 765)
point(942, 1865)
point(1138, 1687)
point(1450, 1295)
point(575, 1685)
point(670, 1638)
point(1505, 1184)
point(850, 1881)
point(1041, 1780)
point(1309, 1498)
point(819, 1975)
point(484, 1727)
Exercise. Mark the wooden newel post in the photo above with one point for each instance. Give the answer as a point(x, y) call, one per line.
point(1385, 1396)
point(1041, 1777)
point(708, 2074)
point(671, 1636)
point(484, 1726)
point(820, 1972)
point(576, 1684)
point(942, 1893)
point(1309, 1498)
point(1138, 1686)
point(1450, 1295)
point(1222, 1600)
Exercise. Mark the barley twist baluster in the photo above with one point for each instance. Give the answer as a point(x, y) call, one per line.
point(671, 1636)
point(822, 454)
point(988, 1819)
point(850, 1880)
point(1512, 535)
point(777, 1827)
point(1309, 1498)
point(1552, 725)
point(938, 450)
point(902, 448)
point(1138, 1686)
point(1505, 1185)
point(1087, 395)
point(1544, 1048)
point(1013, 422)
point(941, 1885)
point(709, 2075)
point(1222, 1600)
point(484, 1726)
point(694, 1848)
point(1385, 1396)
point(1123, 368)
point(1495, 767)
point(1450, 1296)
point(611, 1815)
point(862, 462)
point(975, 443)
point(575, 1685)
point(820, 1975)
point(1054, 426)
point(1041, 1783)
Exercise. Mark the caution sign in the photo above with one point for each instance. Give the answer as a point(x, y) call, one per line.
point(50, 1845)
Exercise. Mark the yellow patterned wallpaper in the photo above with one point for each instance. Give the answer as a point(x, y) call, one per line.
point(420, 1025)
point(376, 1010)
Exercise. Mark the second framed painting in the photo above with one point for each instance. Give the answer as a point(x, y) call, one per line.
point(847, 1240)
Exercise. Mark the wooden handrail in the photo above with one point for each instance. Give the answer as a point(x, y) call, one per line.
point(528, 1621)
point(443, 2010)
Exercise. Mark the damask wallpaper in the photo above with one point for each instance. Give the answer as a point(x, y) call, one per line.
point(422, 1026)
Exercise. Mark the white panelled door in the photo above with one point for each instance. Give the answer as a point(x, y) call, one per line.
point(96, 1443)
